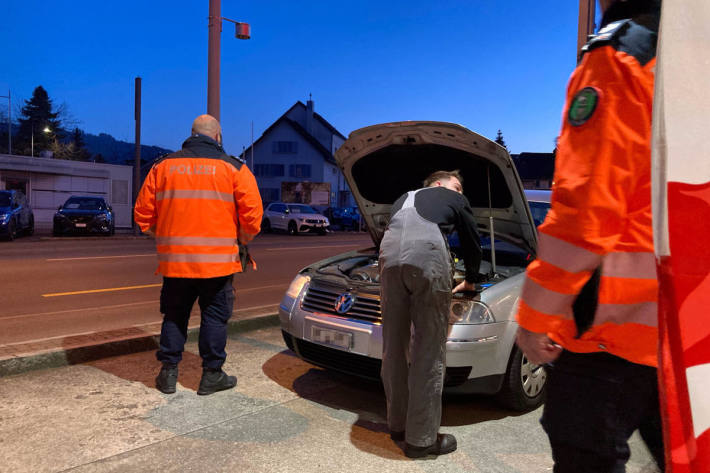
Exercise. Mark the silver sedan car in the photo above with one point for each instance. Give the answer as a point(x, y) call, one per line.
point(330, 315)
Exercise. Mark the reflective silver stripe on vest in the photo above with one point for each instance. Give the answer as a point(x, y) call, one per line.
point(196, 241)
point(567, 256)
point(197, 258)
point(547, 301)
point(644, 313)
point(641, 265)
point(194, 194)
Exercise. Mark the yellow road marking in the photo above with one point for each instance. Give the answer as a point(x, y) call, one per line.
point(101, 257)
point(92, 291)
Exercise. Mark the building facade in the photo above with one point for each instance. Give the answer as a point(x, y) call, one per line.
point(299, 148)
point(48, 183)
point(536, 170)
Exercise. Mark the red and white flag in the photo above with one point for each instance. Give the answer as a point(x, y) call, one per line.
point(681, 213)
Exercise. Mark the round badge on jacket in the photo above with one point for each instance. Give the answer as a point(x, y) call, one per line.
point(583, 106)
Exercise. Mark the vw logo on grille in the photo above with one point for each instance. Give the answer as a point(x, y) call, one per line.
point(344, 303)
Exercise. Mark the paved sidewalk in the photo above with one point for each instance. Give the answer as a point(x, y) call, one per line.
point(284, 416)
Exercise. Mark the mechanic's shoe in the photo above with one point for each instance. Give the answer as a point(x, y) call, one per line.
point(397, 435)
point(445, 443)
point(167, 379)
point(215, 380)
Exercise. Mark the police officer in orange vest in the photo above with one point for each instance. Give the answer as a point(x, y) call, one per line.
point(589, 302)
point(200, 203)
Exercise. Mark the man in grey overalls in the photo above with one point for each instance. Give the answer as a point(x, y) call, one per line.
point(416, 288)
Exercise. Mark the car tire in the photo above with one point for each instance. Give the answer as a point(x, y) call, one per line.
point(525, 383)
point(292, 228)
point(31, 228)
point(266, 226)
point(322, 231)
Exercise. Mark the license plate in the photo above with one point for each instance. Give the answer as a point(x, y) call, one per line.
point(332, 337)
point(80, 225)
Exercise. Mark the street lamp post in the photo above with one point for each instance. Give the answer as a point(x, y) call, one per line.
point(242, 31)
point(9, 121)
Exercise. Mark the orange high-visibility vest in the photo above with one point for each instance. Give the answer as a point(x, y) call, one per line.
point(600, 215)
point(198, 201)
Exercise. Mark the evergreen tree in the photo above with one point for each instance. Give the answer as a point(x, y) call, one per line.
point(78, 151)
point(501, 141)
point(38, 115)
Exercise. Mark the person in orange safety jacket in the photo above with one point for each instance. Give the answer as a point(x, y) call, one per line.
point(200, 203)
point(589, 301)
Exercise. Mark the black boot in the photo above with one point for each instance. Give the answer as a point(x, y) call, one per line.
point(167, 379)
point(215, 380)
point(445, 443)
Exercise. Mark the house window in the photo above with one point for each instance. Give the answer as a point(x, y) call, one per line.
point(269, 170)
point(269, 195)
point(299, 170)
point(285, 147)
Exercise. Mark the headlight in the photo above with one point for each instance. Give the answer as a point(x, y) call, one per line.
point(4, 217)
point(470, 313)
point(326, 222)
point(297, 285)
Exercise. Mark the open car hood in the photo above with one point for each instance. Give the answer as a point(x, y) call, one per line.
point(382, 162)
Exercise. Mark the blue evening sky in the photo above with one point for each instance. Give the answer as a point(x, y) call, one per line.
point(485, 64)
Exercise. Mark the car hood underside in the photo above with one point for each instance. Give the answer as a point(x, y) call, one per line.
point(382, 162)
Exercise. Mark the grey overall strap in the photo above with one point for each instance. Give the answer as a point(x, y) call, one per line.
point(409, 201)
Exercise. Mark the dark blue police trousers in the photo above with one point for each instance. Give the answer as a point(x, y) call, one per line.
point(216, 299)
point(595, 401)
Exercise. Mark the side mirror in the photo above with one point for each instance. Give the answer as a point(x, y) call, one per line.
point(59, 208)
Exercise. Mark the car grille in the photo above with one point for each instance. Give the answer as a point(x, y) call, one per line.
point(314, 221)
point(81, 218)
point(357, 365)
point(322, 299)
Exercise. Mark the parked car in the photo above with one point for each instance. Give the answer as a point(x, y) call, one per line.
point(330, 315)
point(293, 218)
point(539, 202)
point(16, 215)
point(84, 214)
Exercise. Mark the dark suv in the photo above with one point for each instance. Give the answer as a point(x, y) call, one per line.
point(15, 215)
point(84, 214)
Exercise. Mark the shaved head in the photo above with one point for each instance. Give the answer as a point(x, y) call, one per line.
point(207, 125)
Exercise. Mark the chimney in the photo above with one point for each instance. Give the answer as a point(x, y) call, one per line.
point(309, 115)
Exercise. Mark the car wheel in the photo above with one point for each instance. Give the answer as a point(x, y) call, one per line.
point(524, 384)
point(292, 228)
point(31, 228)
point(266, 226)
point(322, 231)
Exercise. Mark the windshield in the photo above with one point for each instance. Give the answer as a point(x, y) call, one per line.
point(76, 203)
point(301, 209)
point(5, 199)
point(539, 211)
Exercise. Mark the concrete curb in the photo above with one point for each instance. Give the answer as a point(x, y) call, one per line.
point(73, 356)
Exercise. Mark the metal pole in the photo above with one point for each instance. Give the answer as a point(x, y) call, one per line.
point(9, 121)
point(585, 26)
point(137, 164)
point(213, 58)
